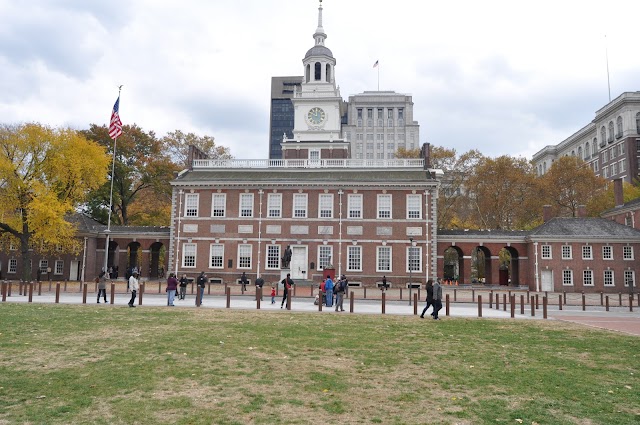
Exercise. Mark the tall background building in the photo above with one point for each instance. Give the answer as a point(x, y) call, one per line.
point(282, 113)
point(610, 144)
point(380, 122)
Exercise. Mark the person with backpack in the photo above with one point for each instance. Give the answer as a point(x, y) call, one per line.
point(328, 288)
point(102, 286)
point(287, 283)
point(202, 282)
point(437, 299)
point(244, 281)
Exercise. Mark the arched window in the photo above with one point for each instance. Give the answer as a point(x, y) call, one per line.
point(540, 169)
point(594, 148)
point(308, 73)
point(573, 153)
point(544, 167)
point(638, 123)
point(580, 152)
point(587, 151)
point(328, 73)
point(619, 124)
point(318, 73)
point(603, 136)
point(610, 131)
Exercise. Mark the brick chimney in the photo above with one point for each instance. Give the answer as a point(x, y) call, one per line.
point(582, 211)
point(618, 194)
point(547, 213)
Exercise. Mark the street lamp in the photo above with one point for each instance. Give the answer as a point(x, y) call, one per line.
point(410, 267)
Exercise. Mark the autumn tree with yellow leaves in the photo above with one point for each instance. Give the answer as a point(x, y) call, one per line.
point(45, 173)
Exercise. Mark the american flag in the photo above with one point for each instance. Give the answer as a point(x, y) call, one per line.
point(115, 126)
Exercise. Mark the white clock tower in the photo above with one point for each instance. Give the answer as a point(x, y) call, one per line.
point(317, 102)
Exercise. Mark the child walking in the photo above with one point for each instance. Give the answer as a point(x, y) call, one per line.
point(273, 295)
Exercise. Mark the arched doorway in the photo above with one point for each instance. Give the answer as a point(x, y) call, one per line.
point(112, 259)
point(134, 258)
point(453, 264)
point(157, 264)
point(509, 271)
point(481, 265)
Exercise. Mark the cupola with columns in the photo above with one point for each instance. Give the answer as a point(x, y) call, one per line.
point(317, 123)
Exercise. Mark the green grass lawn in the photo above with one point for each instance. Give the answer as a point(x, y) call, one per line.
point(64, 364)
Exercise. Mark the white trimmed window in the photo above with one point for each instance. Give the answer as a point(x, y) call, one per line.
point(216, 254)
point(191, 204)
point(13, 266)
point(325, 253)
point(567, 277)
point(354, 258)
point(274, 205)
point(13, 246)
point(218, 205)
point(627, 252)
point(273, 256)
point(414, 258)
point(587, 277)
point(300, 205)
point(354, 205)
point(43, 265)
point(566, 252)
point(325, 205)
point(587, 252)
point(384, 206)
point(607, 252)
point(246, 205)
point(59, 268)
point(546, 252)
point(608, 278)
point(189, 255)
point(244, 256)
point(383, 259)
point(414, 206)
point(629, 276)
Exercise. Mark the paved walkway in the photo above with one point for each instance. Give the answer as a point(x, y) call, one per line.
point(617, 319)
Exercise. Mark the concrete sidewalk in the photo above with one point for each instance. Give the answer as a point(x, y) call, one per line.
point(247, 302)
point(617, 319)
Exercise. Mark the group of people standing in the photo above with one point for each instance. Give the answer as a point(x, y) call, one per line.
point(329, 288)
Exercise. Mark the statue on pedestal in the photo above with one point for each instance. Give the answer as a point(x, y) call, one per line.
point(286, 258)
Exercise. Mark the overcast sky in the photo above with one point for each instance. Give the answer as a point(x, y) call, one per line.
point(505, 77)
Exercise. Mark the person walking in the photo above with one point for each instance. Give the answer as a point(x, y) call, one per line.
point(102, 286)
point(328, 288)
point(384, 286)
point(134, 285)
point(273, 295)
point(437, 299)
point(202, 282)
point(244, 281)
point(183, 286)
point(287, 282)
point(429, 300)
point(341, 288)
point(172, 286)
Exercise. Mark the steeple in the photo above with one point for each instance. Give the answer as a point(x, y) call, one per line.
point(320, 35)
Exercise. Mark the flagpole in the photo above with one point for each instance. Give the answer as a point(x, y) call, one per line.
point(378, 77)
point(113, 167)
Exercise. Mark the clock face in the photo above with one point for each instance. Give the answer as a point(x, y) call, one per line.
point(316, 116)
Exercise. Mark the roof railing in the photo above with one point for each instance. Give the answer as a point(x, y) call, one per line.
point(308, 163)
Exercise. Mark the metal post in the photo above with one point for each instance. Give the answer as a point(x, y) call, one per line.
point(351, 300)
point(560, 302)
point(84, 293)
point(544, 307)
point(57, 292)
point(521, 304)
point(228, 294)
point(533, 307)
point(479, 305)
point(113, 292)
point(415, 304)
point(446, 300)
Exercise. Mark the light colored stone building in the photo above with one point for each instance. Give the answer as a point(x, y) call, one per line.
point(378, 123)
point(610, 144)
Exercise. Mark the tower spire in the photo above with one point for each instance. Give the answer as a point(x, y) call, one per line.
point(320, 35)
